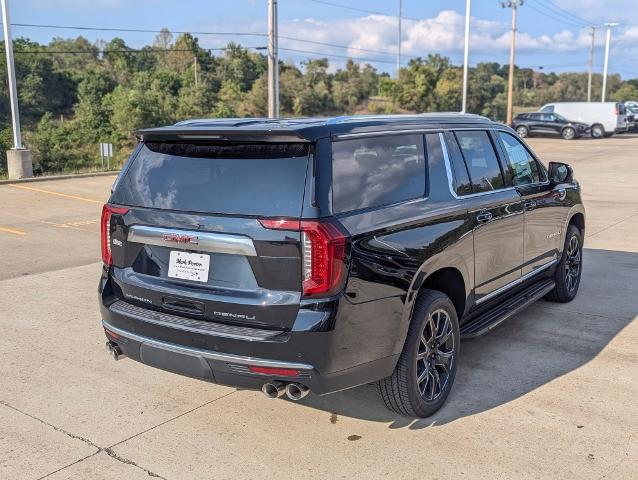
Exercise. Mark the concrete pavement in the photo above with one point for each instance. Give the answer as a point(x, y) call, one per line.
point(550, 394)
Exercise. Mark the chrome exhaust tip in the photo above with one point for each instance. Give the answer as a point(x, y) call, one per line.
point(274, 389)
point(114, 350)
point(296, 391)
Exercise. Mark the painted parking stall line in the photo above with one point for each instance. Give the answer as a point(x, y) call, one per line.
point(12, 231)
point(50, 192)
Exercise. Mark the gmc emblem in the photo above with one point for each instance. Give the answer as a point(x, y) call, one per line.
point(180, 238)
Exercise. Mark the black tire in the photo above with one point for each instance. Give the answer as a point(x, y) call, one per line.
point(608, 134)
point(568, 133)
point(413, 388)
point(569, 269)
point(597, 131)
point(522, 131)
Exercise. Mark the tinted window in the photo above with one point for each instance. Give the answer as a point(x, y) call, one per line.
point(534, 116)
point(547, 117)
point(522, 165)
point(480, 158)
point(257, 179)
point(548, 109)
point(462, 184)
point(370, 172)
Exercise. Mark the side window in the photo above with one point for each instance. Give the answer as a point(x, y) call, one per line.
point(462, 183)
point(375, 171)
point(480, 159)
point(523, 166)
point(548, 109)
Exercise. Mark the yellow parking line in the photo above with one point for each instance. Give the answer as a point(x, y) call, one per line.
point(11, 230)
point(74, 197)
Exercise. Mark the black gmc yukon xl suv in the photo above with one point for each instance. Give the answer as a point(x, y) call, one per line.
point(320, 254)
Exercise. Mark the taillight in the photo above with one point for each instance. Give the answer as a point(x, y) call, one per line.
point(323, 248)
point(107, 212)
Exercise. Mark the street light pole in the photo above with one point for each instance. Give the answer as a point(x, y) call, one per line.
point(609, 27)
point(273, 61)
point(19, 162)
point(466, 54)
point(591, 60)
point(13, 93)
point(399, 39)
point(513, 4)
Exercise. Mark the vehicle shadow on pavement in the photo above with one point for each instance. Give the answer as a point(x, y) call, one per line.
point(540, 344)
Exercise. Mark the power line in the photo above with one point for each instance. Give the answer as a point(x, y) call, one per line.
point(412, 19)
point(138, 30)
point(551, 4)
point(135, 30)
point(552, 15)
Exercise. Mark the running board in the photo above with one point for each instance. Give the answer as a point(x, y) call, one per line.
point(487, 321)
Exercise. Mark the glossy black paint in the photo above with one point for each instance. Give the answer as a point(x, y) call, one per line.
point(356, 336)
point(547, 124)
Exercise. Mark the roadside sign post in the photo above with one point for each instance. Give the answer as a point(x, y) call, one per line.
point(106, 152)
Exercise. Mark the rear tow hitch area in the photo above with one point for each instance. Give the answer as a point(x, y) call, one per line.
point(114, 350)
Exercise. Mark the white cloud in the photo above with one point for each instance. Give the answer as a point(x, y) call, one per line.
point(443, 33)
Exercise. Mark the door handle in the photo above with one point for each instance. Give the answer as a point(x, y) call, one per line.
point(484, 217)
point(561, 193)
point(529, 204)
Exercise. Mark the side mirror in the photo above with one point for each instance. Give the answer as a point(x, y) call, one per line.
point(560, 173)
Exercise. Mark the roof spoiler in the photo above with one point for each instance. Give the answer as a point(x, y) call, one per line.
point(181, 134)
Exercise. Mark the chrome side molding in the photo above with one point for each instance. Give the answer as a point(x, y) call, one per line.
point(192, 240)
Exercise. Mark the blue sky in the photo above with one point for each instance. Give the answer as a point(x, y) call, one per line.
point(552, 33)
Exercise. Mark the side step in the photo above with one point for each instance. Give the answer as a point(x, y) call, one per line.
point(487, 321)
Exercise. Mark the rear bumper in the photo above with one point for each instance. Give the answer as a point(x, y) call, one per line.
point(351, 350)
point(233, 370)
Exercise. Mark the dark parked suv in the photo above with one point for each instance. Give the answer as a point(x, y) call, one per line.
point(317, 255)
point(553, 124)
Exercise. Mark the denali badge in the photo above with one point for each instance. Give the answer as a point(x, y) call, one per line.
point(180, 238)
point(239, 316)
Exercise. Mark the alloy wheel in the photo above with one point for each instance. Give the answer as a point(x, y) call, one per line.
point(572, 264)
point(435, 355)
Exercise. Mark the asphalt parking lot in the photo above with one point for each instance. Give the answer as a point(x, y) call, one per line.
point(549, 394)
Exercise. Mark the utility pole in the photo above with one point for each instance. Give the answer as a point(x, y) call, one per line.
point(399, 39)
point(19, 162)
point(195, 67)
point(273, 62)
point(609, 27)
point(466, 54)
point(591, 60)
point(513, 4)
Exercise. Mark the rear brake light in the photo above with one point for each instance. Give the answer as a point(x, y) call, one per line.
point(324, 251)
point(107, 213)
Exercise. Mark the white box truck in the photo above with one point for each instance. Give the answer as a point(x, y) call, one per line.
point(604, 118)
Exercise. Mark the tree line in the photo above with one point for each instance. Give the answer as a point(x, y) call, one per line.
point(74, 94)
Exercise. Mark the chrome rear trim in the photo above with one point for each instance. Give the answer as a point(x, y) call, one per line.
point(192, 240)
point(222, 357)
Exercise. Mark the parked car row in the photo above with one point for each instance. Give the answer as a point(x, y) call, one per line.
point(572, 120)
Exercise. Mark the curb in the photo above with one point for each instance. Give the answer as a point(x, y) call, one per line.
point(46, 178)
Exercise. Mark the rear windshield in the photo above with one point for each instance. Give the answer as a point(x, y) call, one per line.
point(246, 179)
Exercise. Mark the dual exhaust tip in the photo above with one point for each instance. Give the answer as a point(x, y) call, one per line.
point(276, 389)
point(114, 350)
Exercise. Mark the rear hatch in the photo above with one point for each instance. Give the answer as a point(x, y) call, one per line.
point(187, 233)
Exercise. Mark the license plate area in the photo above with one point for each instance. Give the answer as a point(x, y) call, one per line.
point(189, 266)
